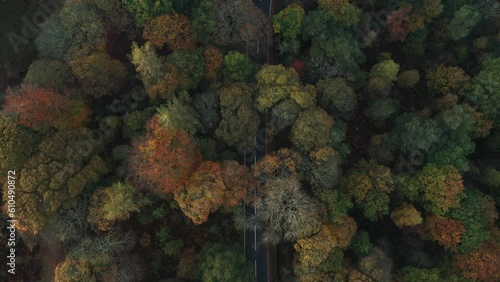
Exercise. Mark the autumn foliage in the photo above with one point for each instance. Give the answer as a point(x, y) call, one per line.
point(406, 215)
point(481, 264)
point(40, 107)
point(213, 63)
point(438, 188)
point(204, 192)
point(284, 162)
point(446, 80)
point(211, 186)
point(399, 23)
point(299, 66)
point(448, 232)
point(163, 160)
point(238, 181)
point(171, 30)
point(314, 250)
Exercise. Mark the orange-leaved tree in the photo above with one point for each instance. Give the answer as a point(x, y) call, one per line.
point(446, 231)
point(40, 108)
point(282, 163)
point(204, 192)
point(213, 185)
point(162, 160)
point(481, 264)
point(171, 30)
point(213, 62)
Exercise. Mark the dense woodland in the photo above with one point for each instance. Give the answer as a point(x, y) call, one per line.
point(129, 123)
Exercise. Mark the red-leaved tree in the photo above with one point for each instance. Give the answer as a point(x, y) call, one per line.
point(481, 264)
point(398, 23)
point(448, 232)
point(40, 108)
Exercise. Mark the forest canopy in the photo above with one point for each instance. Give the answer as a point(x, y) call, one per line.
point(151, 140)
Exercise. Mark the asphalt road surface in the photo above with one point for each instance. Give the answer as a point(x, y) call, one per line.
point(256, 251)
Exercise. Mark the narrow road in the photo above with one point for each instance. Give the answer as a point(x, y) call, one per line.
point(256, 251)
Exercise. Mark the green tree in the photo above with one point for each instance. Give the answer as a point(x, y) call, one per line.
point(337, 202)
point(239, 121)
point(438, 188)
point(224, 263)
point(361, 244)
point(287, 25)
point(145, 10)
point(336, 97)
point(457, 118)
point(341, 11)
point(382, 75)
point(238, 67)
point(83, 24)
point(64, 164)
point(485, 92)
point(53, 41)
point(473, 215)
point(181, 71)
point(135, 122)
point(114, 203)
point(311, 131)
point(76, 31)
point(464, 21)
point(49, 74)
point(148, 64)
point(190, 64)
point(413, 133)
point(453, 149)
point(415, 274)
point(376, 205)
point(203, 21)
point(177, 114)
point(369, 184)
point(171, 247)
point(17, 144)
point(340, 47)
point(491, 177)
point(331, 41)
point(275, 83)
point(382, 109)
